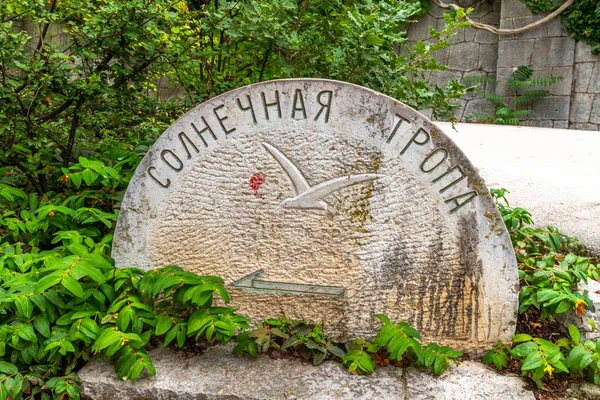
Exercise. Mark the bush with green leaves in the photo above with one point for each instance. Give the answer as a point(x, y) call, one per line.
point(60, 307)
point(285, 335)
point(62, 301)
point(396, 340)
point(402, 340)
point(526, 90)
point(540, 358)
point(76, 74)
point(551, 264)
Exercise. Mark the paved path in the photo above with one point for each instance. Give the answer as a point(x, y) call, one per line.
point(554, 173)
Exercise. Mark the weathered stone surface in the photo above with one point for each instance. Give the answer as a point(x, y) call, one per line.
point(555, 28)
point(581, 107)
point(539, 123)
point(554, 52)
point(514, 9)
point(420, 31)
point(563, 87)
point(502, 87)
point(511, 54)
point(583, 74)
point(527, 19)
point(442, 78)
point(595, 116)
point(585, 126)
point(412, 238)
point(551, 108)
point(531, 176)
point(218, 375)
point(488, 57)
point(583, 391)
point(469, 381)
point(464, 56)
point(478, 106)
point(485, 37)
point(583, 53)
point(561, 124)
point(594, 86)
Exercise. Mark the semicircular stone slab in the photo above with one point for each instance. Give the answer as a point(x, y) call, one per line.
point(329, 202)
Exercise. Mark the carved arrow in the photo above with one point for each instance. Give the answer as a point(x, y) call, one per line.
point(252, 283)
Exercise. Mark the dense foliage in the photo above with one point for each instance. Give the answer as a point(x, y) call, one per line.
point(75, 73)
point(551, 265)
point(581, 19)
point(301, 339)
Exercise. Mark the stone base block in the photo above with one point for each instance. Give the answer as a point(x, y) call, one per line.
point(217, 374)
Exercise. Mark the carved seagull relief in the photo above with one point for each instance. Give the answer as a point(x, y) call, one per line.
point(311, 197)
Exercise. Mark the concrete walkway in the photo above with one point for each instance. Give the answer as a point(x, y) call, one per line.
point(553, 173)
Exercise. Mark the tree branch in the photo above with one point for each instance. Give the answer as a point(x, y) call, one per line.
point(304, 8)
point(497, 31)
point(40, 44)
point(264, 64)
point(72, 132)
point(34, 183)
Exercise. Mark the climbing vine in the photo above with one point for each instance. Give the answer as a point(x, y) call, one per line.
point(581, 19)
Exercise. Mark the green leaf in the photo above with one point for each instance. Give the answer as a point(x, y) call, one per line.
point(575, 334)
point(319, 357)
point(42, 325)
point(72, 286)
point(48, 281)
point(546, 294)
point(522, 337)
point(86, 269)
point(108, 337)
point(523, 350)
point(336, 351)
point(25, 331)
point(532, 361)
point(563, 306)
point(163, 324)
point(8, 368)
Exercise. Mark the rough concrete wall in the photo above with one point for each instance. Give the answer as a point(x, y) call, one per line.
point(573, 103)
point(585, 102)
point(473, 52)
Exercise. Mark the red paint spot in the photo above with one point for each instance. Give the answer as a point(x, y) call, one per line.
point(255, 181)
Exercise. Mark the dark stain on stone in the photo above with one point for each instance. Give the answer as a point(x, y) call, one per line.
point(439, 301)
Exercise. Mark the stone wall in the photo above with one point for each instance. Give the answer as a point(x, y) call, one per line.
point(573, 103)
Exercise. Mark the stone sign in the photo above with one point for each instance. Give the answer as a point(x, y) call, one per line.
point(326, 201)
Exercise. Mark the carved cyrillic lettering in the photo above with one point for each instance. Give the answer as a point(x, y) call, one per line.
point(324, 106)
point(163, 156)
point(298, 97)
point(267, 105)
point(400, 121)
point(183, 138)
point(421, 131)
point(206, 128)
point(471, 195)
point(250, 107)
point(430, 156)
point(221, 119)
point(165, 185)
point(462, 176)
